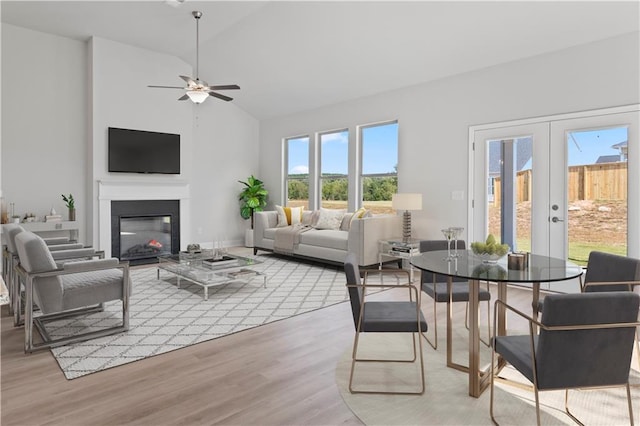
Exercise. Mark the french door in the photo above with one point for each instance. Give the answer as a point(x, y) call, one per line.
point(559, 186)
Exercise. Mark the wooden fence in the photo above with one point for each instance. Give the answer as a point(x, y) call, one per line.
point(606, 181)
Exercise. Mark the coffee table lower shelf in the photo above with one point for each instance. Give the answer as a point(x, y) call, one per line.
point(210, 278)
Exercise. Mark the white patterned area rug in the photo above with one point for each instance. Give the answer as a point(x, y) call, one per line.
point(164, 318)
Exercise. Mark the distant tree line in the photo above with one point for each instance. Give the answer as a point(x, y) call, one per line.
point(335, 187)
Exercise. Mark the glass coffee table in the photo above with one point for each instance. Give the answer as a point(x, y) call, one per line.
point(207, 270)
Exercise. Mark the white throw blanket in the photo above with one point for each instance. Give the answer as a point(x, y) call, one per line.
point(288, 238)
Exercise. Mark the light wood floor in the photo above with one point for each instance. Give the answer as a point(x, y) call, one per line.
point(280, 373)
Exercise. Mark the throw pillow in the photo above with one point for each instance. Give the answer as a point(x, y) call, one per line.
point(330, 219)
point(359, 214)
point(288, 216)
point(307, 216)
point(346, 221)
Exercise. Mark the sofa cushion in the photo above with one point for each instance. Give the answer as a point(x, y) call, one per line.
point(330, 219)
point(328, 238)
point(346, 221)
point(89, 288)
point(360, 213)
point(288, 216)
point(310, 217)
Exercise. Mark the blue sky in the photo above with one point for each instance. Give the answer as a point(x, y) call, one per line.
point(380, 151)
point(584, 147)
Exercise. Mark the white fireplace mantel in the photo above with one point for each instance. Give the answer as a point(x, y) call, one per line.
point(116, 190)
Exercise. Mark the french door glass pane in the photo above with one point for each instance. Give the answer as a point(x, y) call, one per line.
point(509, 192)
point(597, 192)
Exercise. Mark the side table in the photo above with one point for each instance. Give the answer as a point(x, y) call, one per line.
point(396, 248)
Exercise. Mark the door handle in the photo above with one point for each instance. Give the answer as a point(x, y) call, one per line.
point(556, 219)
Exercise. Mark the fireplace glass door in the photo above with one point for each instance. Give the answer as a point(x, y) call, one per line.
point(144, 237)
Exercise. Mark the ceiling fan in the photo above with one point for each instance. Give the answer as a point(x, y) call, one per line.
point(199, 90)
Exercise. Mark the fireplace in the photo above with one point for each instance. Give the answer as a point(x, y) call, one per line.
point(142, 230)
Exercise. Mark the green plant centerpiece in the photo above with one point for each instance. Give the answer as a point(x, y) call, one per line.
point(71, 205)
point(69, 201)
point(253, 198)
point(489, 250)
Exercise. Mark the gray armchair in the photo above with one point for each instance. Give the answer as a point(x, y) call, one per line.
point(585, 341)
point(62, 251)
point(435, 286)
point(75, 288)
point(383, 317)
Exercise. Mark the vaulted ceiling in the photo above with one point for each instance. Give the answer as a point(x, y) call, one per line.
point(290, 56)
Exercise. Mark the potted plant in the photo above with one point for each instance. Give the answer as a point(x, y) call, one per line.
point(253, 198)
point(70, 203)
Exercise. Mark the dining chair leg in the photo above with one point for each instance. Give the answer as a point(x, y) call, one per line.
point(535, 391)
point(638, 347)
point(435, 329)
point(566, 407)
point(492, 384)
point(629, 403)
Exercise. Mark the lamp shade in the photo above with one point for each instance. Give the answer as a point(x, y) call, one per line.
point(406, 201)
point(197, 96)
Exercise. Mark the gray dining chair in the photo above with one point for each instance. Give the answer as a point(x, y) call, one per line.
point(383, 317)
point(435, 286)
point(610, 272)
point(69, 290)
point(585, 341)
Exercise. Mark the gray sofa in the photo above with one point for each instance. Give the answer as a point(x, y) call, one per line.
point(328, 245)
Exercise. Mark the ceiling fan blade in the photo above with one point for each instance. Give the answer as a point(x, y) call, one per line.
point(167, 87)
point(225, 87)
point(183, 97)
point(219, 96)
point(189, 80)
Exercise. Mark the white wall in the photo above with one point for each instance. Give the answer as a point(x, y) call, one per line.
point(64, 94)
point(226, 151)
point(119, 97)
point(44, 122)
point(218, 140)
point(434, 117)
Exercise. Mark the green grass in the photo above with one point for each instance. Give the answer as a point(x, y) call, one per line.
point(579, 251)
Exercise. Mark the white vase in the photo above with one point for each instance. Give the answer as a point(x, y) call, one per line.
point(248, 238)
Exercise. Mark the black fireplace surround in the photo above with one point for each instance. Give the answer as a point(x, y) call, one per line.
point(141, 230)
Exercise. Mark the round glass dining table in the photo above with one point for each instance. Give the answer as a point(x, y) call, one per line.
point(539, 269)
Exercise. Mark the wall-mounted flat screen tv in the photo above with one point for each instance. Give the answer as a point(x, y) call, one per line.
point(139, 151)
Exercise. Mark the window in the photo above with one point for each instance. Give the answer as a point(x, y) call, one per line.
point(379, 177)
point(331, 170)
point(334, 169)
point(297, 179)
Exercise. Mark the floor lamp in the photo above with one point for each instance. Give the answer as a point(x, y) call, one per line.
point(406, 202)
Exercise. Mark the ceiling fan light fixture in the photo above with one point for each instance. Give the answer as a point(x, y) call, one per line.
point(197, 96)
